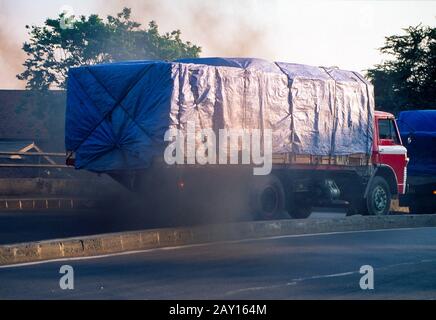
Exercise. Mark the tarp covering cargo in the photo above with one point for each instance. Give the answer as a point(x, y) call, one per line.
point(117, 113)
point(420, 127)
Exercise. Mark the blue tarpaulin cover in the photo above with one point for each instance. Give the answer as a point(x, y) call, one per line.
point(420, 126)
point(117, 113)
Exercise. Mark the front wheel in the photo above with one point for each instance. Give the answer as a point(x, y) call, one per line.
point(378, 200)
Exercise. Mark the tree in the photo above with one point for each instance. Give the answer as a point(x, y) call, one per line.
point(56, 46)
point(408, 81)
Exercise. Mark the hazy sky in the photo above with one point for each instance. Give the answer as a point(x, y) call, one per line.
point(343, 33)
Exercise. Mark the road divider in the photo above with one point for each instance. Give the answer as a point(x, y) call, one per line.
point(102, 244)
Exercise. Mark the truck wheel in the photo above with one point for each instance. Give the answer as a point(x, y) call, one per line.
point(300, 210)
point(357, 206)
point(378, 200)
point(267, 197)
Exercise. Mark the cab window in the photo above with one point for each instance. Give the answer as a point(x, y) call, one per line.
point(387, 131)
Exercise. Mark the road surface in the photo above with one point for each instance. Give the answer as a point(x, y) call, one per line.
point(291, 267)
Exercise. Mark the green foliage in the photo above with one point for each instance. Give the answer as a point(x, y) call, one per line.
point(408, 81)
point(53, 49)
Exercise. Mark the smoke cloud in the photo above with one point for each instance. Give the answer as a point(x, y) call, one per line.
point(11, 55)
point(219, 27)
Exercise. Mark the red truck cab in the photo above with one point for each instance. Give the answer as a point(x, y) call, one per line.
point(387, 178)
point(388, 151)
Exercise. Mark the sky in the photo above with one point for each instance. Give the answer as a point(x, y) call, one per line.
point(344, 33)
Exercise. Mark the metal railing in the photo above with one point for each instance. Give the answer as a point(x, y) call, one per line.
point(46, 155)
point(42, 154)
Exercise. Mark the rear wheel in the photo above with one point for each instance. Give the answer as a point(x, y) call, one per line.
point(267, 197)
point(357, 206)
point(300, 210)
point(378, 200)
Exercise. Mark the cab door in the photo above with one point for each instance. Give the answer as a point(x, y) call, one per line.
point(391, 152)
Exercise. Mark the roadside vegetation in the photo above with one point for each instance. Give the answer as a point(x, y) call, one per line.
point(67, 42)
point(407, 79)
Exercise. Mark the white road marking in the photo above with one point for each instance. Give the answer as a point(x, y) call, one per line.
point(323, 276)
point(293, 282)
point(260, 288)
point(200, 245)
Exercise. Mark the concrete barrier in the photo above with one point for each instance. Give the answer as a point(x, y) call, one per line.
point(168, 237)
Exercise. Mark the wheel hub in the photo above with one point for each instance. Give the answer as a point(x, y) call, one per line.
point(380, 199)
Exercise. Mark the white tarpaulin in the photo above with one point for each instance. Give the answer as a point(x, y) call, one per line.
point(117, 114)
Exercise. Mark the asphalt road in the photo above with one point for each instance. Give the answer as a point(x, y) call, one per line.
point(299, 267)
point(24, 226)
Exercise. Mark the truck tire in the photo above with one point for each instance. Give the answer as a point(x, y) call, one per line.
point(357, 206)
point(267, 198)
point(300, 210)
point(378, 200)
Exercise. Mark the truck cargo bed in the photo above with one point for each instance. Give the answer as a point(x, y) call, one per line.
point(117, 114)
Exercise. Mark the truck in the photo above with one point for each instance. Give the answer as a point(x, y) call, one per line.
point(418, 131)
point(327, 143)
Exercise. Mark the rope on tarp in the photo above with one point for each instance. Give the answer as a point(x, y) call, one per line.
point(335, 115)
point(291, 106)
point(370, 118)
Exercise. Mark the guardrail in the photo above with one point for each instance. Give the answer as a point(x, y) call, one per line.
point(45, 155)
point(31, 165)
